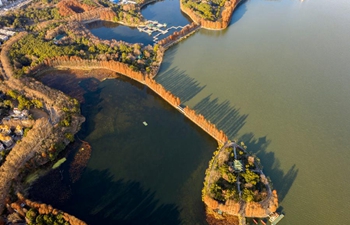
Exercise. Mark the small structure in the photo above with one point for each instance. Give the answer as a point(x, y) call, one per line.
point(19, 130)
point(125, 2)
point(274, 218)
point(237, 164)
point(251, 160)
point(16, 111)
point(7, 140)
point(4, 129)
point(7, 32)
point(3, 37)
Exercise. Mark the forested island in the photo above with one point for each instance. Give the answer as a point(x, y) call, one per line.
point(39, 122)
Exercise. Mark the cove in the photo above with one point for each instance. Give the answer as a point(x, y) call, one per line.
point(167, 11)
point(138, 174)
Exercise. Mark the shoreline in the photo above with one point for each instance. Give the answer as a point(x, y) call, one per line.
point(149, 82)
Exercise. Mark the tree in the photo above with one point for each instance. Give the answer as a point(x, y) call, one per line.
point(247, 195)
point(250, 177)
point(37, 103)
point(13, 94)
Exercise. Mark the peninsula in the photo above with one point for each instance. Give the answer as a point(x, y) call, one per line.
point(39, 122)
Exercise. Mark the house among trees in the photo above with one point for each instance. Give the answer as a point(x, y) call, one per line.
point(19, 130)
point(237, 164)
point(7, 140)
point(4, 129)
point(16, 111)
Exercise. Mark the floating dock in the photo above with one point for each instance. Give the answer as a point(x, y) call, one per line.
point(275, 218)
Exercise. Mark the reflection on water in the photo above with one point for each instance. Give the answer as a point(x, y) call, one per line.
point(138, 174)
point(284, 64)
point(110, 30)
point(167, 11)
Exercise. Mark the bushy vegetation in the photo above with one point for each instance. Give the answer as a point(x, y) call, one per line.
point(203, 8)
point(23, 102)
point(210, 10)
point(33, 49)
point(34, 218)
point(21, 18)
point(223, 175)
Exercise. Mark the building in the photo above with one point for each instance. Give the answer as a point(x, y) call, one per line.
point(7, 32)
point(3, 37)
point(16, 111)
point(19, 130)
point(5, 129)
point(6, 140)
point(238, 167)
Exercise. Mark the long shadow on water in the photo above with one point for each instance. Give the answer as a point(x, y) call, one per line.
point(230, 120)
point(179, 83)
point(223, 115)
point(239, 12)
point(105, 201)
point(282, 181)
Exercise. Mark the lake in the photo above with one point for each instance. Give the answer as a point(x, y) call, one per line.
point(277, 79)
point(137, 174)
point(163, 11)
point(284, 67)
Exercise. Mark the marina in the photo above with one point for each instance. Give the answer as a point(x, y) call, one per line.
point(154, 26)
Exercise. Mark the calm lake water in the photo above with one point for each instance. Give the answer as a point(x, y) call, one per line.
point(137, 174)
point(278, 78)
point(163, 11)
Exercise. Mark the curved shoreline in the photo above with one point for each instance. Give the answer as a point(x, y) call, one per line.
point(195, 18)
point(150, 83)
point(140, 77)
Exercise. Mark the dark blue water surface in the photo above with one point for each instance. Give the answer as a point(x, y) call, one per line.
point(137, 174)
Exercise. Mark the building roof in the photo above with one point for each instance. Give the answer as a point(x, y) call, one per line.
point(238, 165)
point(5, 137)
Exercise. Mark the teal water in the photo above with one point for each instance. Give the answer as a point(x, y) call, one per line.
point(284, 65)
point(277, 78)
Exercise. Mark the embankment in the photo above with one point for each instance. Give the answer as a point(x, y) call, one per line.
point(178, 36)
point(77, 63)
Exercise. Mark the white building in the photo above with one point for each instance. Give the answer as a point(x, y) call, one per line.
point(7, 32)
point(3, 37)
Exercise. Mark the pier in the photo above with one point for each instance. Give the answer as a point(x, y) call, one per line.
point(152, 26)
point(275, 218)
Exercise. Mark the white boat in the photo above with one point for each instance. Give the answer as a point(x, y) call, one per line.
point(145, 123)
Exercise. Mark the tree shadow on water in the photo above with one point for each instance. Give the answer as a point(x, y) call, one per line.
point(239, 12)
point(223, 115)
point(282, 181)
point(180, 84)
point(98, 199)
